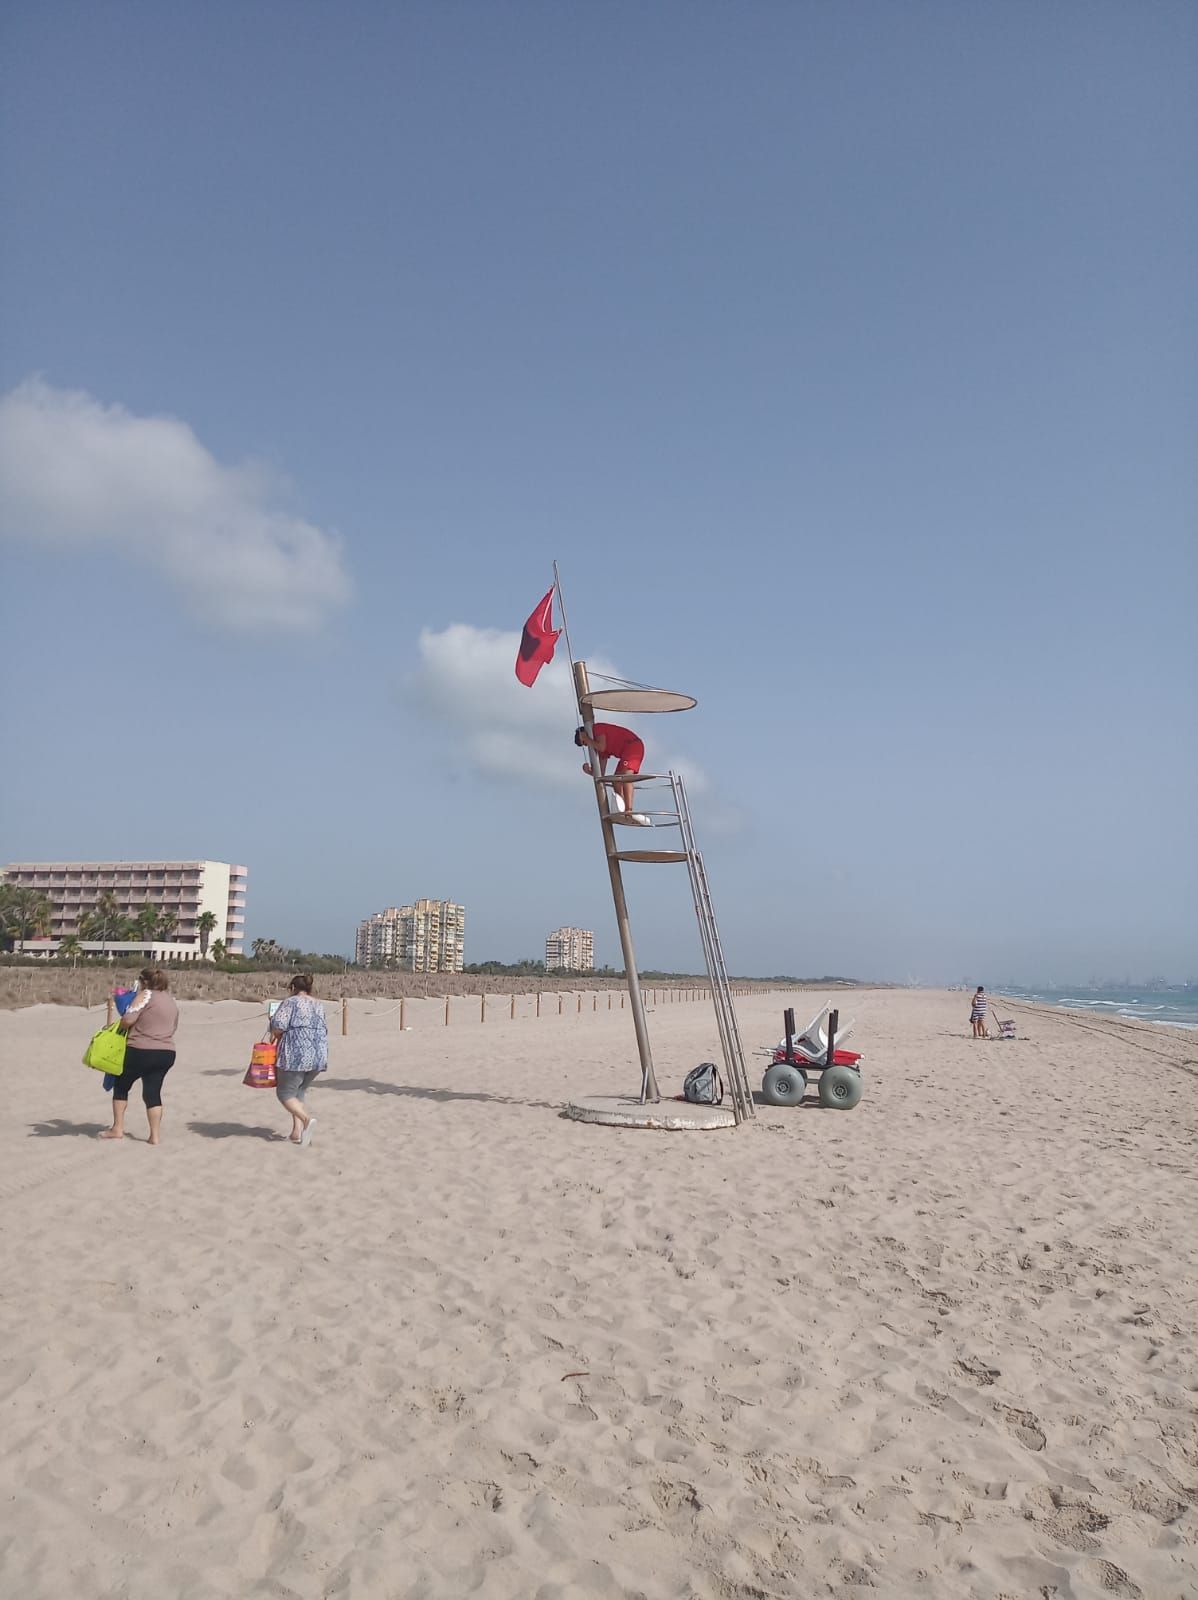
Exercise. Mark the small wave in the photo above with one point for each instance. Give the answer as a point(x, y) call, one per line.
point(1173, 1022)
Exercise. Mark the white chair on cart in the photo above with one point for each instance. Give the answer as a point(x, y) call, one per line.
point(812, 1043)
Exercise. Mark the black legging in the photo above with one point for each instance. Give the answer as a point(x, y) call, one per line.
point(151, 1066)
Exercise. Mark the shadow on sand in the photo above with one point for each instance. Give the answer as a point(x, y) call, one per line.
point(444, 1096)
point(808, 1103)
point(59, 1128)
point(234, 1130)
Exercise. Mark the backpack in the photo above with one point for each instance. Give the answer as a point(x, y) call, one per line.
point(703, 1085)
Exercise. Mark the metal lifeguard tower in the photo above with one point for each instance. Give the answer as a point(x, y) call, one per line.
point(649, 1110)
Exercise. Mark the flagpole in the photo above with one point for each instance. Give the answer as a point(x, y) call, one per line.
point(649, 1089)
point(557, 584)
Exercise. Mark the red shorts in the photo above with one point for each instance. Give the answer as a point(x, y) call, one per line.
point(630, 760)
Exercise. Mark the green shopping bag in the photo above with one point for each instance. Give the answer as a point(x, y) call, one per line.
point(106, 1052)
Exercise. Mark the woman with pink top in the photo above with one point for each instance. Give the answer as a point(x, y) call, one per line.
point(149, 1025)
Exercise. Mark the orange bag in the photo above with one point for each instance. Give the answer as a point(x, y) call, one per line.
point(261, 1071)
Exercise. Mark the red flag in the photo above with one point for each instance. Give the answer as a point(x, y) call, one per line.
point(536, 645)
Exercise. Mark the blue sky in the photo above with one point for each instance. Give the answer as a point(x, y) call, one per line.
point(843, 356)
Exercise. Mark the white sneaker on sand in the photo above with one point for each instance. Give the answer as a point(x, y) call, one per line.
point(306, 1136)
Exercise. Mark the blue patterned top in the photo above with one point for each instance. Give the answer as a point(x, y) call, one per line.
point(304, 1045)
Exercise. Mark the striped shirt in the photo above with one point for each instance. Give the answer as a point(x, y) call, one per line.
point(980, 1003)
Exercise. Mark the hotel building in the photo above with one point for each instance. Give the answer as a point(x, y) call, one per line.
point(570, 950)
point(428, 936)
point(182, 890)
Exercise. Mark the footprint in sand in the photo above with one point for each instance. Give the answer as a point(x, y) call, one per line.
point(1106, 1575)
point(1023, 1425)
point(1143, 1497)
point(977, 1372)
point(1066, 1520)
point(674, 1499)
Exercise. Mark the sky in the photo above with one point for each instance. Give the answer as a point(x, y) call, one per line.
point(843, 357)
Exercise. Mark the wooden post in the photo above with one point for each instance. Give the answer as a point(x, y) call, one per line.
point(538, 1002)
point(447, 1011)
point(482, 1006)
point(344, 1015)
point(609, 999)
point(402, 1003)
point(561, 1000)
point(595, 1001)
point(580, 1002)
point(513, 1008)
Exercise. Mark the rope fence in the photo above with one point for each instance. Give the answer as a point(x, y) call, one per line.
point(491, 1007)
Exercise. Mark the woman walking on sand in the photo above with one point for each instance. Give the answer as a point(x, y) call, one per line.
point(302, 1034)
point(149, 1025)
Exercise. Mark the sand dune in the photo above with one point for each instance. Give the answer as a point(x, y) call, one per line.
point(942, 1345)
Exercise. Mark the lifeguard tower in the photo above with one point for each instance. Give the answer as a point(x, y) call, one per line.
point(677, 848)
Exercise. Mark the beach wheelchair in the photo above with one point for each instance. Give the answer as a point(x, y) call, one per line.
point(813, 1051)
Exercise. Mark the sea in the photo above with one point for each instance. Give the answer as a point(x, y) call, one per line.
point(1175, 1008)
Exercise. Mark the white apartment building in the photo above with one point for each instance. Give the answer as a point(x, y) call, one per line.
point(570, 950)
point(428, 936)
point(180, 891)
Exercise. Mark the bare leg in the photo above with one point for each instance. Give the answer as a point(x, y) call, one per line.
point(300, 1117)
point(117, 1131)
point(154, 1118)
point(628, 795)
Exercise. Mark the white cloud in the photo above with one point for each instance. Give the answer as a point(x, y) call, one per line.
point(76, 473)
point(467, 682)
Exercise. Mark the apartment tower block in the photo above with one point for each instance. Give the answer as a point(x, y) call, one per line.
point(428, 936)
point(570, 950)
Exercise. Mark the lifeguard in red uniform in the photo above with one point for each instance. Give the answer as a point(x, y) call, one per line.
point(611, 740)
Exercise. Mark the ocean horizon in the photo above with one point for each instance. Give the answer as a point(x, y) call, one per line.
point(1174, 1008)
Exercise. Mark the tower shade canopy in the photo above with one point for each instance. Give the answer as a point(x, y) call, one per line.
point(637, 700)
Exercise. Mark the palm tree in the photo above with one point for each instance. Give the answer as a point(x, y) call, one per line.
point(219, 951)
point(8, 913)
point(24, 914)
point(204, 927)
point(146, 922)
point(70, 946)
point(168, 924)
point(105, 921)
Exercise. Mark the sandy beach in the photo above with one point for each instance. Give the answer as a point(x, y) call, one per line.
point(944, 1344)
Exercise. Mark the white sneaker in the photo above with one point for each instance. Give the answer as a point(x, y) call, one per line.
point(640, 820)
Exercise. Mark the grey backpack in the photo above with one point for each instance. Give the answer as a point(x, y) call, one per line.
point(703, 1085)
